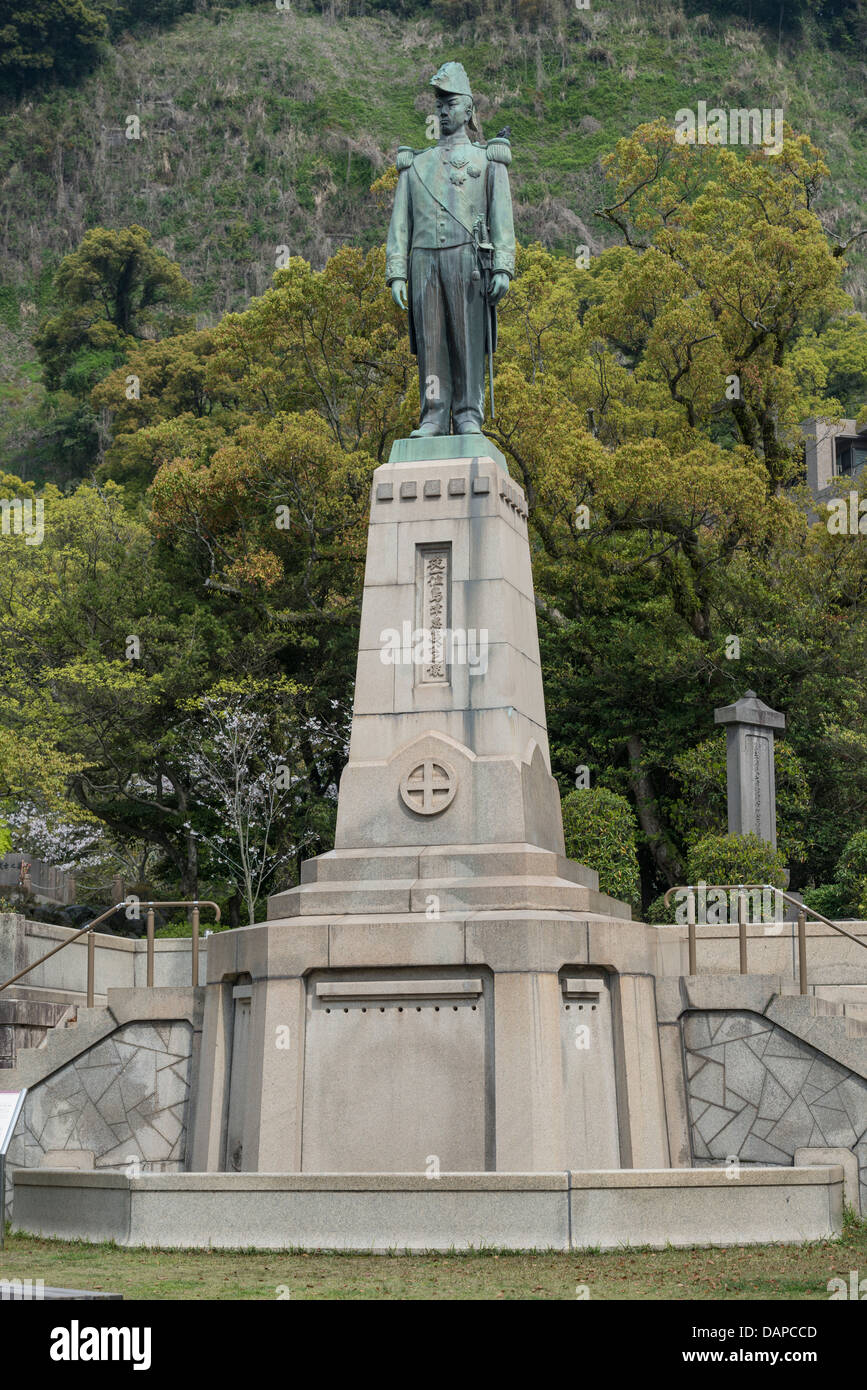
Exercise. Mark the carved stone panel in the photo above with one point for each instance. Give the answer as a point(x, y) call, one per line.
point(430, 787)
point(433, 613)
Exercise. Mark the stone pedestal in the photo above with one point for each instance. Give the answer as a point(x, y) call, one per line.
point(448, 580)
point(444, 990)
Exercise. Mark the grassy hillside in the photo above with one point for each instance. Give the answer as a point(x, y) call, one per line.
point(262, 128)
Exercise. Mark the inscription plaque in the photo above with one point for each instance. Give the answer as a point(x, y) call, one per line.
point(433, 571)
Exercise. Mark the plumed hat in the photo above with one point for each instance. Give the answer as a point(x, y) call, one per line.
point(452, 78)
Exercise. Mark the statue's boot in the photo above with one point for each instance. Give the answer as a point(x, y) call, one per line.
point(424, 431)
point(468, 424)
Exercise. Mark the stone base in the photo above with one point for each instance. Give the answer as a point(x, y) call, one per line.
point(386, 1212)
point(498, 799)
point(439, 880)
point(480, 1008)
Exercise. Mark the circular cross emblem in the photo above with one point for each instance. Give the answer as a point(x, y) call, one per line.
point(429, 788)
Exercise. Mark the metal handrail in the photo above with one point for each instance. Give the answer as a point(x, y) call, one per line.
point(91, 943)
point(741, 889)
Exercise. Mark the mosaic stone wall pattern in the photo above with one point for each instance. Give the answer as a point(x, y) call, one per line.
point(126, 1099)
point(758, 1092)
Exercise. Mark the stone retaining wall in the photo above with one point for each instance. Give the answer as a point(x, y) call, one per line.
point(125, 1102)
point(758, 1093)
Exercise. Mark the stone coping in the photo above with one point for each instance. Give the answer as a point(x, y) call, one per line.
point(442, 448)
point(391, 1212)
point(779, 929)
point(544, 915)
point(748, 1176)
point(818, 1176)
point(54, 931)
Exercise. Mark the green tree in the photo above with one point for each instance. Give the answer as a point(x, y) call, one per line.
point(726, 267)
point(75, 611)
point(115, 288)
point(662, 514)
point(112, 641)
point(47, 38)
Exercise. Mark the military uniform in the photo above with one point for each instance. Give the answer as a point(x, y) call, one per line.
point(449, 197)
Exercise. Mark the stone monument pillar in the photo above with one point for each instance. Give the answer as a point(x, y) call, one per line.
point(444, 990)
point(750, 765)
point(449, 741)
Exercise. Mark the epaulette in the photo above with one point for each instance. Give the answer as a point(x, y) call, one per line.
point(500, 150)
point(405, 156)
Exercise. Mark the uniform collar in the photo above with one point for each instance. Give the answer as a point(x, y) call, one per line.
point(448, 142)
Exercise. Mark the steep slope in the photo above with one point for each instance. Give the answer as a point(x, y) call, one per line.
point(263, 129)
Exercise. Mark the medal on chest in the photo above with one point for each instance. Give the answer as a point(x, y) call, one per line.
point(460, 168)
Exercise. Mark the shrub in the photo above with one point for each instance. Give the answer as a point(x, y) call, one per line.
point(600, 830)
point(736, 859)
point(851, 874)
point(847, 895)
point(657, 914)
point(829, 899)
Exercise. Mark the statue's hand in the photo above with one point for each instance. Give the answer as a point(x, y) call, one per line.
point(398, 293)
point(499, 287)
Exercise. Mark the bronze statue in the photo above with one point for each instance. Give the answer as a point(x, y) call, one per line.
point(452, 242)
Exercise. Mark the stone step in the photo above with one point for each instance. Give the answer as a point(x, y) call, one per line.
point(76, 1017)
point(351, 865)
point(446, 861)
point(523, 892)
point(62, 1045)
point(401, 880)
point(506, 861)
point(334, 898)
point(518, 893)
point(607, 906)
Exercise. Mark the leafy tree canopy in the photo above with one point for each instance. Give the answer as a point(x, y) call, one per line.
point(57, 38)
point(676, 561)
point(115, 288)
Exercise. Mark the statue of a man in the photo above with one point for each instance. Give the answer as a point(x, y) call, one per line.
point(452, 242)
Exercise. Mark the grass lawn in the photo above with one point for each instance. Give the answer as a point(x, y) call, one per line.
point(741, 1272)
